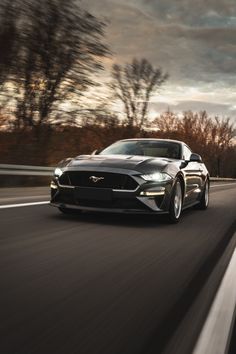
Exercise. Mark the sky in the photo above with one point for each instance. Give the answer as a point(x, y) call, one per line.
point(193, 40)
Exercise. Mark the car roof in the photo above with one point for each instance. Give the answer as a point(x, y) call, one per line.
point(154, 139)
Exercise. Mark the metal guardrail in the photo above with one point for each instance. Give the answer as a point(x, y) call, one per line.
point(25, 170)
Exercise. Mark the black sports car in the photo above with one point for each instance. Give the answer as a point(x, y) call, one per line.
point(133, 176)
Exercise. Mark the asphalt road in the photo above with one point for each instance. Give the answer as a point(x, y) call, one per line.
point(106, 284)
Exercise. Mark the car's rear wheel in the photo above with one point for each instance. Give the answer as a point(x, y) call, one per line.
point(204, 201)
point(69, 211)
point(176, 202)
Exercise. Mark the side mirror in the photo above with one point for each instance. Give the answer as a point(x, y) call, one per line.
point(195, 158)
point(96, 152)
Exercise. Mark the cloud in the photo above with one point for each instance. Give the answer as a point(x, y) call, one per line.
point(195, 41)
point(213, 109)
point(190, 12)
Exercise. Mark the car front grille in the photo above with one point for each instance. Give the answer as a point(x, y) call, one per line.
point(66, 196)
point(101, 180)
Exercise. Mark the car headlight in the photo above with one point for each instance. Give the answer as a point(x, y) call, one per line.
point(58, 172)
point(157, 177)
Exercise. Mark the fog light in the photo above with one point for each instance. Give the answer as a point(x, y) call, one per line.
point(53, 185)
point(152, 193)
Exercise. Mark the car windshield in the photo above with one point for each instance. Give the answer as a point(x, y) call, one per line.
point(151, 148)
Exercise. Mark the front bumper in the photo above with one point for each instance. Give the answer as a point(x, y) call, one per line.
point(149, 197)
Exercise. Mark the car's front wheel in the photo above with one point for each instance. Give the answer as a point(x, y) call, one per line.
point(176, 202)
point(204, 201)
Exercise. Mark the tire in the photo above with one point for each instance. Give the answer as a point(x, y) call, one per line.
point(204, 201)
point(176, 203)
point(68, 211)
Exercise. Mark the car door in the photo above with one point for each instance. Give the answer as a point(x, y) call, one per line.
point(193, 176)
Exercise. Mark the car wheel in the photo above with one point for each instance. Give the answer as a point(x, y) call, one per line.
point(176, 203)
point(204, 201)
point(69, 211)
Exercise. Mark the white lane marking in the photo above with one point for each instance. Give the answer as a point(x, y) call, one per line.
point(2, 200)
point(223, 185)
point(215, 335)
point(22, 205)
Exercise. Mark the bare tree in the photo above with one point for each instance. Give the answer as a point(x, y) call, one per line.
point(60, 48)
point(134, 84)
point(212, 137)
point(8, 37)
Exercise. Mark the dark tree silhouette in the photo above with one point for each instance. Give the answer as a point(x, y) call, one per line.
point(8, 37)
point(134, 84)
point(60, 48)
point(211, 137)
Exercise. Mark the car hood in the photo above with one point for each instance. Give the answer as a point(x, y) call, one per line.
point(135, 163)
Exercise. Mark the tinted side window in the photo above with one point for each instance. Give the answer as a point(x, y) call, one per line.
point(186, 153)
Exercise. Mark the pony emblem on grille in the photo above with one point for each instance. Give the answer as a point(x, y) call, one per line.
point(95, 179)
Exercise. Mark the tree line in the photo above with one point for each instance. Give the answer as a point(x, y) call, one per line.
point(208, 136)
point(50, 54)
